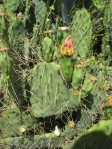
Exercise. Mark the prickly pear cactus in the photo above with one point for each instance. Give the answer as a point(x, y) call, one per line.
point(4, 47)
point(40, 14)
point(48, 48)
point(82, 32)
point(49, 95)
point(4, 62)
point(47, 74)
point(88, 84)
point(16, 32)
point(67, 68)
point(3, 27)
point(16, 28)
point(108, 107)
point(98, 136)
point(11, 5)
point(4, 76)
point(4, 56)
point(107, 21)
point(78, 75)
point(93, 94)
point(100, 4)
point(13, 122)
point(108, 112)
point(67, 50)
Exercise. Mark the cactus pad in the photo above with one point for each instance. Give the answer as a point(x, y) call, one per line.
point(49, 95)
point(82, 32)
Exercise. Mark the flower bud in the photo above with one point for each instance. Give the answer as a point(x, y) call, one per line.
point(68, 47)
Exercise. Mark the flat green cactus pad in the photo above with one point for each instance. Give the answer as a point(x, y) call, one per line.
point(12, 5)
point(49, 94)
point(14, 123)
point(82, 32)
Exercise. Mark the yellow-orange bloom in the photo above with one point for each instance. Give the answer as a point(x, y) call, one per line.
point(110, 100)
point(92, 78)
point(68, 47)
point(71, 124)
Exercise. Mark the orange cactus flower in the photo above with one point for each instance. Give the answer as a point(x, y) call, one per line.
point(68, 47)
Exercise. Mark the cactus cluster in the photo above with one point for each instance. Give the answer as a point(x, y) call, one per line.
point(54, 89)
